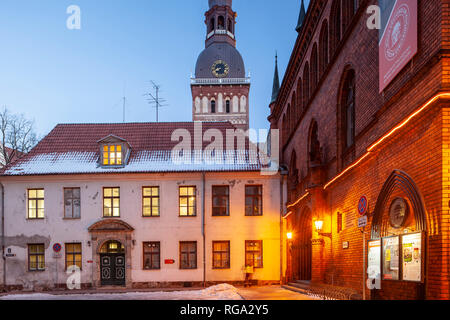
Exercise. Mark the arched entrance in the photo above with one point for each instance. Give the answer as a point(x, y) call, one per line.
point(302, 255)
point(112, 264)
point(112, 242)
point(400, 224)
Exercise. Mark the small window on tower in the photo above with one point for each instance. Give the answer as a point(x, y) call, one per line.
point(212, 25)
point(213, 106)
point(230, 25)
point(221, 23)
point(228, 106)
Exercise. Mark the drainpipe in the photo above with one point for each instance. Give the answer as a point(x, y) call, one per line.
point(3, 236)
point(283, 173)
point(204, 226)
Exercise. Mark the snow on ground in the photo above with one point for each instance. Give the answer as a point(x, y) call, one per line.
point(219, 292)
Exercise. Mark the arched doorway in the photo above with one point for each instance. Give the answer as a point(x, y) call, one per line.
point(111, 242)
point(400, 225)
point(303, 253)
point(112, 264)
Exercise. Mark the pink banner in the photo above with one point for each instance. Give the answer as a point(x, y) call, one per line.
point(398, 43)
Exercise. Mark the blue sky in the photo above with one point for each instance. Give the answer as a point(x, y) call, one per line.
point(55, 75)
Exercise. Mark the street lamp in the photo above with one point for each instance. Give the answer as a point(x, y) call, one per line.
point(319, 227)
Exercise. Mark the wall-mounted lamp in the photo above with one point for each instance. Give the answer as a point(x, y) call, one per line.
point(134, 242)
point(89, 243)
point(289, 235)
point(319, 227)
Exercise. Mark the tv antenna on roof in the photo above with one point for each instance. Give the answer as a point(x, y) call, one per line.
point(154, 100)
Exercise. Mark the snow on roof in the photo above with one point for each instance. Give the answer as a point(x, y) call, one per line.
point(74, 149)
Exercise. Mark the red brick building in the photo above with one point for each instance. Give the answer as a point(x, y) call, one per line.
point(343, 140)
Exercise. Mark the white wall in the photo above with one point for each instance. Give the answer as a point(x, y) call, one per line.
point(169, 229)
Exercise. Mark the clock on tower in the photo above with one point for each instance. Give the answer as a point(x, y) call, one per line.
point(220, 88)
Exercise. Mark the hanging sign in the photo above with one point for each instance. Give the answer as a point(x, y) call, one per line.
point(412, 257)
point(398, 37)
point(391, 258)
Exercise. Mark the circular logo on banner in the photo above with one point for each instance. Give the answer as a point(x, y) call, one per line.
point(57, 247)
point(363, 205)
point(397, 31)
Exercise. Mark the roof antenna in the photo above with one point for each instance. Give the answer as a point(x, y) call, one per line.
point(154, 100)
point(124, 100)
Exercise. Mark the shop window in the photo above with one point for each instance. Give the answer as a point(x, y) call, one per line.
point(73, 255)
point(152, 255)
point(150, 202)
point(36, 257)
point(36, 204)
point(111, 202)
point(254, 253)
point(220, 201)
point(221, 254)
point(188, 255)
point(72, 203)
point(188, 201)
point(253, 201)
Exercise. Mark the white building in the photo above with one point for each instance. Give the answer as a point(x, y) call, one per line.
point(124, 212)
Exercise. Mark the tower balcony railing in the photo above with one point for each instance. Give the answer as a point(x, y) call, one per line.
point(212, 81)
point(222, 32)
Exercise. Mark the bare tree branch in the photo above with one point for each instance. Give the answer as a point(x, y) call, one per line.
point(17, 136)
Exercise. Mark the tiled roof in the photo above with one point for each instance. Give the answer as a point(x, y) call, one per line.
point(74, 149)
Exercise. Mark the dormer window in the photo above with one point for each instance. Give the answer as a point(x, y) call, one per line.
point(114, 152)
point(113, 155)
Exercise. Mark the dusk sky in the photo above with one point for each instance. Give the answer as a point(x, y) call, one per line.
point(55, 75)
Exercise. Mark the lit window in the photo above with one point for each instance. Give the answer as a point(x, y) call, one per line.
point(112, 155)
point(36, 257)
point(111, 202)
point(253, 254)
point(221, 254)
point(36, 204)
point(150, 201)
point(73, 255)
point(188, 200)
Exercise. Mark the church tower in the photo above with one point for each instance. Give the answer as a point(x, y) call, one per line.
point(220, 88)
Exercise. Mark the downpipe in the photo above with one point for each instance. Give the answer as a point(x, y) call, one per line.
point(3, 235)
point(204, 226)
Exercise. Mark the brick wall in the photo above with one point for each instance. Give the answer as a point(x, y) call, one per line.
point(420, 149)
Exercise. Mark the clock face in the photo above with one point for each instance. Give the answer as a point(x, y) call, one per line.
point(398, 213)
point(220, 69)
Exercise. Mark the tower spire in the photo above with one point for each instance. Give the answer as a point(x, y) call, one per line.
point(276, 81)
point(301, 17)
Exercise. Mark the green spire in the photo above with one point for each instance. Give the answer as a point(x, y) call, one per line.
point(301, 18)
point(276, 81)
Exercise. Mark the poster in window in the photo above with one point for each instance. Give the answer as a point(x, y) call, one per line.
point(374, 257)
point(412, 257)
point(391, 258)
